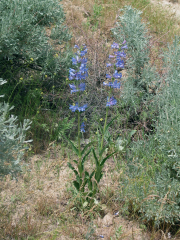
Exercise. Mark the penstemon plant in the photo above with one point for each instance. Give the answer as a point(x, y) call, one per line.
point(116, 62)
point(84, 177)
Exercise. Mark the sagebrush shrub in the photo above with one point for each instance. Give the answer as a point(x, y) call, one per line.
point(142, 80)
point(12, 140)
point(33, 46)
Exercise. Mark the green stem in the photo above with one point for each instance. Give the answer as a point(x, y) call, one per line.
point(13, 91)
point(102, 140)
point(79, 137)
point(107, 109)
point(79, 144)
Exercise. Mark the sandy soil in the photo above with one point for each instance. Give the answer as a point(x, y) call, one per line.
point(173, 6)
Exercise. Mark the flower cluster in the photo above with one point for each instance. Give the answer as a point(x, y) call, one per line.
point(80, 62)
point(118, 55)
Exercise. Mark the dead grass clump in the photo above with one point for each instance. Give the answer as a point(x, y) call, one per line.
point(25, 226)
point(45, 206)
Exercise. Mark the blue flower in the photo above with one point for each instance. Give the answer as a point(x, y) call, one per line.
point(115, 84)
point(124, 47)
point(83, 108)
point(108, 76)
point(83, 68)
point(108, 64)
point(81, 87)
point(72, 73)
point(111, 101)
point(120, 54)
point(117, 75)
point(82, 74)
point(76, 46)
point(124, 42)
point(111, 56)
point(75, 107)
point(120, 64)
point(82, 127)
point(83, 52)
point(76, 59)
point(115, 45)
point(107, 84)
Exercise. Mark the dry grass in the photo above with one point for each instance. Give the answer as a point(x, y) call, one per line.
point(40, 206)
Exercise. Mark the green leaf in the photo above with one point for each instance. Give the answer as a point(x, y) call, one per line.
point(101, 128)
point(71, 167)
point(108, 125)
point(88, 145)
point(91, 174)
point(132, 133)
point(86, 174)
point(80, 168)
point(104, 148)
point(96, 160)
point(75, 161)
point(76, 184)
point(105, 159)
point(98, 175)
point(74, 148)
point(90, 184)
point(84, 158)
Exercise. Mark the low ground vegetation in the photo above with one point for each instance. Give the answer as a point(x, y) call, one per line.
point(133, 175)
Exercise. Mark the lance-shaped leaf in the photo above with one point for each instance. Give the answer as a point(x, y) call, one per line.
point(106, 158)
point(104, 148)
point(98, 174)
point(71, 167)
point(85, 156)
point(96, 159)
point(77, 185)
point(108, 125)
point(74, 148)
point(85, 148)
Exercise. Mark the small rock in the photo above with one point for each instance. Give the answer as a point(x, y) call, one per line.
point(108, 220)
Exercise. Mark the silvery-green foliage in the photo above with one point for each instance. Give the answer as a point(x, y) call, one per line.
point(12, 140)
point(154, 164)
point(130, 27)
point(24, 35)
point(141, 82)
point(168, 128)
point(149, 187)
point(22, 26)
